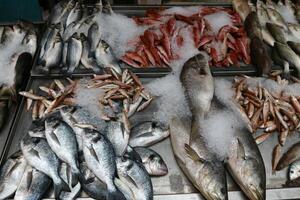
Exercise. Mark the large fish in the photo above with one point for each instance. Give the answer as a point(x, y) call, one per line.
point(277, 32)
point(252, 26)
point(11, 174)
point(134, 175)
point(39, 155)
point(246, 166)
point(118, 136)
point(62, 141)
point(87, 61)
point(292, 154)
point(94, 37)
point(33, 185)
point(74, 53)
point(101, 160)
point(61, 9)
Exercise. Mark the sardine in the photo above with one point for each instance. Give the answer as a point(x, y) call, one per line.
point(136, 177)
point(11, 174)
point(39, 155)
point(61, 9)
point(62, 141)
point(33, 185)
point(101, 160)
point(147, 134)
point(290, 156)
point(118, 136)
point(74, 53)
point(152, 161)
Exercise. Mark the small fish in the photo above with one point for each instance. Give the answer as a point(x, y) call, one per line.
point(152, 161)
point(290, 156)
point(11, 174)
point(33, 185)
point(294, 170)
point(39, 155)
point(260, 139)
point(147, 134)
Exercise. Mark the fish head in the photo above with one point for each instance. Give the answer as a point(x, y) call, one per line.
point(51, 123)
point(156, 165)
point(294, 171)
point(75, 36)
point(92, 136)
point(83, 38)
point(67, 110)
point(124, 164)
point(29, 142)
point(37, 129)
point(160, 128)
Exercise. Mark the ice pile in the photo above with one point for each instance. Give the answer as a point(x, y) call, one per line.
point(218, 20)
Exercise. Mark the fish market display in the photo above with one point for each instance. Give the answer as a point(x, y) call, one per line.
point(226, 42)
point(72, 39)
point(18, 44)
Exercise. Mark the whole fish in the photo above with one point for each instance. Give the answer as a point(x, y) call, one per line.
point(295, 46)
point(3, 113)
point(246, 166)
point(101, 160)
point(88, 62)
point(48, 40)
point(105, 57)
point(198, 86)
point(277, 32)
point(242, 7)
point(292, 154)
point(294, 30)
point(260, 56)
point(152, 161)
point(252, 26)
point(74, 15)
point(289, 55)
point(45, 37)
point(66, 174)
point(262, 13)
point(39, 155)
point(74, 53)
point(11, 174)
point(33, 185)
point(94, 37)
point(136, 177)
point(30, 42)
point(118, 136)
point(276, 18)
point(147, 134)
point(62, 141)
point(294, 170)
point(94, 188)
point(61, 9)
point(208, 176)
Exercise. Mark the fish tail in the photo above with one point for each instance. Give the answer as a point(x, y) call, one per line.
point(60, 185)
point(115, 194)
point(78, 176)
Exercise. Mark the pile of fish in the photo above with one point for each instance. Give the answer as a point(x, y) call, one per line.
point(278, 26)
point(272, 112)
point(72, 39)
point(198, 162)
point(283, 78)
point(167, 30)
point(74, 150)
point(17, 48)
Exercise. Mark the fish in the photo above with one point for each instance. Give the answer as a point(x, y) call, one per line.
point(93, 187)
point(267, 37)
point(276, 18)
point(242, 7)
point(132, 154)
point(39, 155)
point(74, 53)
point(152, 161)
point(277, 32)
point(245, 164)
point(94, 37)
point(74, 15)
point(118, 136)
point(195, 77)
point(105, 57)
point(3, 113)
point(88, 62)
point(293, 183)
point(286, 53)
point(252, 26)
point(62, 141)
point(66, 173)
point(294, 170)
point(136, 177)
point(260, 57)
point(147, 133)
point(206, 175)
point(290, 156)
point(262, 13)
point(60, 9)
point(11, 174)
point(101, 160)
point(45, 38)
point(295, 46)
point(33, 185)
point(294, 30)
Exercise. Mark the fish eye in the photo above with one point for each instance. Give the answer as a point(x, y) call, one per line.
point(151, 157)
point(292, 171)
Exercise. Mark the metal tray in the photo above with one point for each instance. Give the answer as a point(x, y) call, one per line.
point(152, 72)
point(174, 185)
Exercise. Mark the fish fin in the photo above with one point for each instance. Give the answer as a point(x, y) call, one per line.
point(54, 138)
point(192, 153)
point(93, 153)
point(147, 134)
point(60, 185)
point(29, 176)
point(33, 152)
point(128, 178)
point(10, 171)
point(115, 195)
point(240, 149)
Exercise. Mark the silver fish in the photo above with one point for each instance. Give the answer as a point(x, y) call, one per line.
point(136, 177)
point(74, 15)
point(290, 156)
point(147, 134)
point(39, 155)
point(11, 174)
point(48, 40)
point(88, 62)
point(94, 37)
point(33, 185)
point(118, 136)
point(61, 9)
point(152, 161)
point(294, 170)
point(100, 158)
point(62, 141)
point(74, 53)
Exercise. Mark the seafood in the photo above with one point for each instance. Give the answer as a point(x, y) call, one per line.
point(294, 170)
point(252, 26)
point(118, 136)
point(289, 157)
